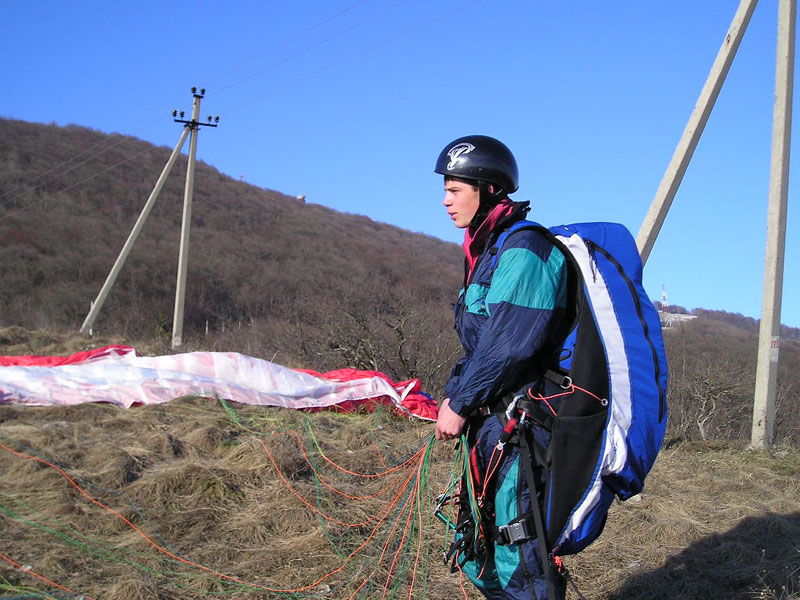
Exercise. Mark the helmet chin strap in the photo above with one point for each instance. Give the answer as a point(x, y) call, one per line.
point(488, 200)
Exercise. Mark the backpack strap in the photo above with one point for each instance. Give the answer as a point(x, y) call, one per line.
point(551, 572)
point(501, 239)
point(553, 372)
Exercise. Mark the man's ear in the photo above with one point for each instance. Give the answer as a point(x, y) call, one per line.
point(491, 189)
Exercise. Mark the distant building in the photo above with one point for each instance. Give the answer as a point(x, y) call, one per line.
point(669, 319)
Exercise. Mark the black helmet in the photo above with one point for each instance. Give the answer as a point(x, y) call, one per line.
point(482, 158)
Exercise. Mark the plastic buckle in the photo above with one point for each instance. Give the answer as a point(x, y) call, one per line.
point(514, 533)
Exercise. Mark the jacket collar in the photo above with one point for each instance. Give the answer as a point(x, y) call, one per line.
point(475, 239)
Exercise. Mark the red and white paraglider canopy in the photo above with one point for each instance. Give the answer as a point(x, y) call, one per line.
point(118, 375)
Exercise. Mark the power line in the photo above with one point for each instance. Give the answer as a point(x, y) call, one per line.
point(33, 183)
point(287, 85)
point(287, 40)
point(76, 184)
point(10, 196)
point(22, 187)
point(315, 45)
point(354, 55)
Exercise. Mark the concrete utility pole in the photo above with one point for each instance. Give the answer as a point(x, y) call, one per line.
point(190, 126)
point(769, 333)
point(694, 129)
point(183, 258)
point(86, 328)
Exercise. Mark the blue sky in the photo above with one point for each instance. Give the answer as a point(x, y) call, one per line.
point(349, 103)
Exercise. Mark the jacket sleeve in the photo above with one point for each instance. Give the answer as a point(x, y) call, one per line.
point(525, 299)
point(451, 386)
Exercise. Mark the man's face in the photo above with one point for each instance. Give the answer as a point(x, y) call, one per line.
point(462, 201)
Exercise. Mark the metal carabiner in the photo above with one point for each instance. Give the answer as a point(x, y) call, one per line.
point(512, 406)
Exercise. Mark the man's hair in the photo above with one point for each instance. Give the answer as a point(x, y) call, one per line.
point(473, 182)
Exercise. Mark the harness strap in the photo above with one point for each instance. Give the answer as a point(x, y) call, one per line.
point(562, 380)
point(498, 453)
point(521, 529)
point(533, 489)
point(539, 413)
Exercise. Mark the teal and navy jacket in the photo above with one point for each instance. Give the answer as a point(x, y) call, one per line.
point(508, 318)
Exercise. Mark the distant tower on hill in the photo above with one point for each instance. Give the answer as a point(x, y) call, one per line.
point(667, 318)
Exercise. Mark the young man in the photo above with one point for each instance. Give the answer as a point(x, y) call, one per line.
point(510, 318)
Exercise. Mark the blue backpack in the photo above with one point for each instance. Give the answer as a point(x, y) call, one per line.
point(608, 431)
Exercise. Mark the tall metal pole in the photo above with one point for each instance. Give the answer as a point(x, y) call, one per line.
point(183, 258)
point(126, 249)
point(694, 129)
point(769, 333)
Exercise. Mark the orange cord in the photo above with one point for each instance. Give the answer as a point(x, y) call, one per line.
point(41, 577)
point(419, 457)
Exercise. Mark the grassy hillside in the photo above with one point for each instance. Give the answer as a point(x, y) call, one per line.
point(293, 282)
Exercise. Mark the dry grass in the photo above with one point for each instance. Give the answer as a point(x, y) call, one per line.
point(203, 487)
point(18, 340)
point(715, 520)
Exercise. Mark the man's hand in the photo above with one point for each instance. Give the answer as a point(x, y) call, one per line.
point(449, 423)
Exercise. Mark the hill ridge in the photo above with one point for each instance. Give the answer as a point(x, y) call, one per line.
point(258, 258)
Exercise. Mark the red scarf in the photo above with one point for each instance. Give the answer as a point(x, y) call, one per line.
point(475, 239)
